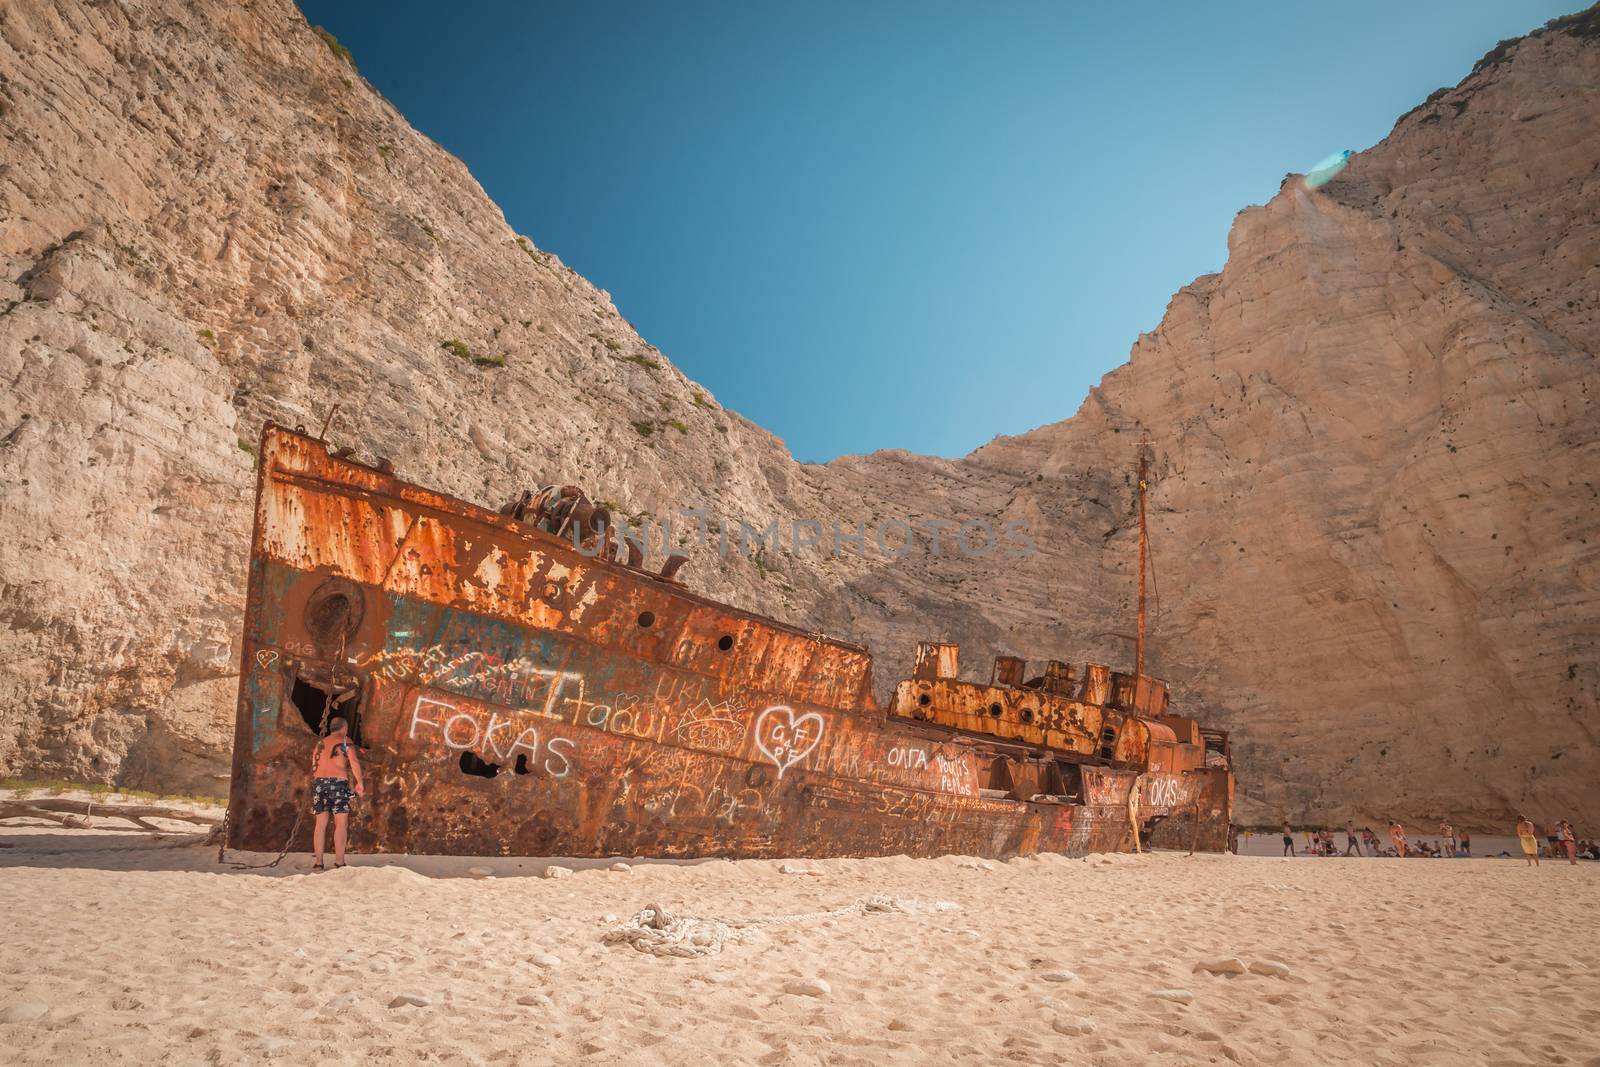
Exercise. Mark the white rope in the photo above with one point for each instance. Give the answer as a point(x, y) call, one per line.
point(656, 931)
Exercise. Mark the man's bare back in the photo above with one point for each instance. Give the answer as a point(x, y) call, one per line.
point(336, 758)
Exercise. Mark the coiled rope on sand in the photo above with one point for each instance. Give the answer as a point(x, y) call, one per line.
point(660, 933)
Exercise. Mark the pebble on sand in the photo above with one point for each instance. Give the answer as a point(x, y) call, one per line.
point(1270, 968)
point(1222, 965)
point(808, 987)
point(23, 1011)
point(554, 871)
point(409, 1000)
point(1176, 996)
point(1071, 1024)
point(545, 959)
point(535, 1000)
point(1059, 976)
point(621, 867)
point(794, 868)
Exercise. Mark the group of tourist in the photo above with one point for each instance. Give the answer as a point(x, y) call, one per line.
point(1561, 841)
point(1449, 845)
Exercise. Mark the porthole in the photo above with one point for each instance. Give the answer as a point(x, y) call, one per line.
point(646, 619)
point(994, 711)
point(1027, 715)
point(333, 613)
point(725, 642)
point(924, 700)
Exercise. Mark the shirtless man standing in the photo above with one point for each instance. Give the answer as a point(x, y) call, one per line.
point(330, 789)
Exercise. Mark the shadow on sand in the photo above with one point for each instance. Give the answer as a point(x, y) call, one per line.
point(51, 847)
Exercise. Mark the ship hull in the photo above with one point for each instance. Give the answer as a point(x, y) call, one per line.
point(513, 697)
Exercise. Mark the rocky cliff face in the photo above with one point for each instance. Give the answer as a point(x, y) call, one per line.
point(1373, 502)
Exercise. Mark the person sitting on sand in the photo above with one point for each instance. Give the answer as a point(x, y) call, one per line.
point(1288, 840)
point(330, 789)
point(1350, 842)
point(1530, 843)
point(1397, 834)
point(1569, 841)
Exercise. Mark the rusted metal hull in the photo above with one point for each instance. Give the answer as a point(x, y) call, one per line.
point(516, 698)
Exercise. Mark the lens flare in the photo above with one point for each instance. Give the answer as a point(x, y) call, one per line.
point(1328, 169)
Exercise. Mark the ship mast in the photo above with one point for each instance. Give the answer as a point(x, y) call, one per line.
point(1138, 648)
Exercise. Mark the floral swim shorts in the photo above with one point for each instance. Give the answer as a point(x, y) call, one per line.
point(330, 795)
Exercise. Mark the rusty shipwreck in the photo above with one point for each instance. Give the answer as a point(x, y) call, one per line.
point(515, 696)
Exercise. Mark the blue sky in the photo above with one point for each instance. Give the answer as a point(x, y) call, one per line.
point(901, 225)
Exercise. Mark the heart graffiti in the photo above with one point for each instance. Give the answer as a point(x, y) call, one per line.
point(786, 738)
point(266, 657)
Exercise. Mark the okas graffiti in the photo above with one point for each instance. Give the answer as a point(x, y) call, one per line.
point(466, 730)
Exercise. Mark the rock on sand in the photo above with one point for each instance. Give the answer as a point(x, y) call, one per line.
point(808, 987)
point(1229, 965)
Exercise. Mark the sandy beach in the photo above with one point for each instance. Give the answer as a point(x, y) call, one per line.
point(129, 948)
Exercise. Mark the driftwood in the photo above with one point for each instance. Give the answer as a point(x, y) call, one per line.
point(73, 812)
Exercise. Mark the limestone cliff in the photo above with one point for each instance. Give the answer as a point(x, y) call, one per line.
point(1375, 435)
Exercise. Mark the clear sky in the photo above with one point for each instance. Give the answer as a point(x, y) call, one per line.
point(882, 224)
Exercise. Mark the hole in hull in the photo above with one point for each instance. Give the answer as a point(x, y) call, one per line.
point(310, 700)
point(471, 764)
